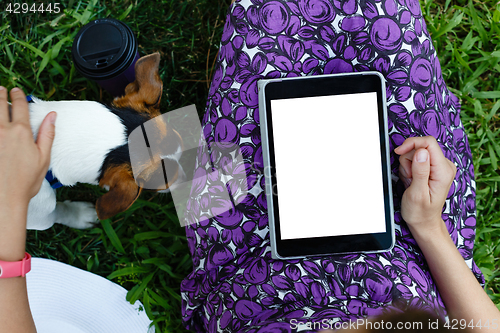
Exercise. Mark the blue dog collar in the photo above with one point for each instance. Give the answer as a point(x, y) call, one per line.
point(54, 183)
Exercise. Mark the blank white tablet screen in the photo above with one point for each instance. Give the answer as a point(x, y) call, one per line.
point(328, 165)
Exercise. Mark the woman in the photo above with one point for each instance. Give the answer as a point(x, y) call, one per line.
point(235, 285)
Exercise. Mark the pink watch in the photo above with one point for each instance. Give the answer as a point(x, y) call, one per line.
point(10, 269)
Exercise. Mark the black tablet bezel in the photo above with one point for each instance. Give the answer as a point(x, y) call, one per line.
point(315, 86)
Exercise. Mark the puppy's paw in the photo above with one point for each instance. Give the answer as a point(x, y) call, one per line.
point(76, 214)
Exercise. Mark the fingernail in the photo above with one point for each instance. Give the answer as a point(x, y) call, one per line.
point(2, 88)
point(52, 118)
point(422, 156)
point(16, 89)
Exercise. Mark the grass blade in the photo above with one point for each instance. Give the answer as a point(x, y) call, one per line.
point(125, 13)
point(44, 63)
point(486, 94)
point(127, 271)
point(134, 294)
point(456, 20)
point(113, 237)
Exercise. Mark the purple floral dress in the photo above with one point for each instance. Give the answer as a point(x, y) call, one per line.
point(235, 286)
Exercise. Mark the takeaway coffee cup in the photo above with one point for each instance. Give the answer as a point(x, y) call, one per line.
point(105, 51)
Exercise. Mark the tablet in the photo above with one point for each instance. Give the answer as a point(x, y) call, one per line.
point(325, 148)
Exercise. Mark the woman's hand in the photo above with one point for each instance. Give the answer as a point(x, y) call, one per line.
point(428, 182)
point(23, 162)
point(427, 175)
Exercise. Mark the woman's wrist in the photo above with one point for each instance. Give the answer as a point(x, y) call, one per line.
point(13, 231)
point(12, 244)
point(425, 235)
point(13, 250)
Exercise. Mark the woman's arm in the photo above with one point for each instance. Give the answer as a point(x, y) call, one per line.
point(23, 164)
point(428, 179)
point(15, 314)
point(463, 296)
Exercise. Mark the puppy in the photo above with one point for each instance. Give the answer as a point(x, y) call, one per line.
point(90, 146)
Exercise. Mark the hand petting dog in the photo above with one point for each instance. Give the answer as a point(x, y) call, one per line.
point(24, 164)
point(28, 161)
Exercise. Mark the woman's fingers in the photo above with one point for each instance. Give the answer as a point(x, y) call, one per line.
point(405, 164)
point(4, 107)
point(437, 158)
point(20, 110)
point(406, 181)
point(441, 168)
point(427, 142)
point(45, 138)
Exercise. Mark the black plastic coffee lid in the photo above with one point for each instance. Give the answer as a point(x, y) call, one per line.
point(104, 49)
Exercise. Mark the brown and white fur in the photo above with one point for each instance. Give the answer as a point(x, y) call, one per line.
point(90, 146)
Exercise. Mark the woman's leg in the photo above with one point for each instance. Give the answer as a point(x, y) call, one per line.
point(235, 285)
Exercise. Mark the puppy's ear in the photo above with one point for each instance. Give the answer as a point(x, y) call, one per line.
point(144, 93)
point(123, 191)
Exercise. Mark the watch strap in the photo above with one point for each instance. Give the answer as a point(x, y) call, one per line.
point(10, 269)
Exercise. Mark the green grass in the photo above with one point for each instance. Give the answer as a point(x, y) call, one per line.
point(467, 37)
point(144, 249)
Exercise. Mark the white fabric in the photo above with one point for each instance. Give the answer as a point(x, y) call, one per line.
point(65, 299)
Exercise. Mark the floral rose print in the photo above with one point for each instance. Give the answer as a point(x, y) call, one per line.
point(317, 12)
point(235, 285)
point(385, 35)
point(274, 17)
